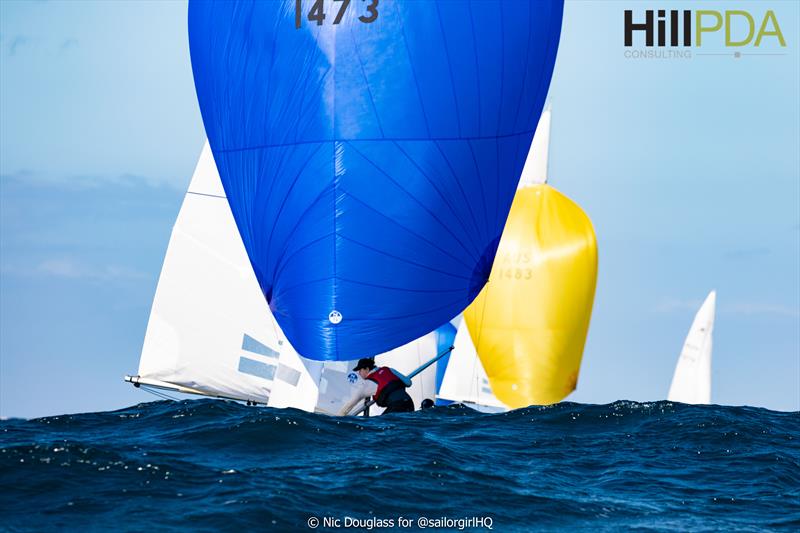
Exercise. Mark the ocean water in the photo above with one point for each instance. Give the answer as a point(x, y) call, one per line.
point(208, 465)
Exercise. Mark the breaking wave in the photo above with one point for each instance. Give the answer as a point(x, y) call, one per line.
point(213, 465)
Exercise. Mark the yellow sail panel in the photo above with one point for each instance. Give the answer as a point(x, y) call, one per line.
point(529, 323)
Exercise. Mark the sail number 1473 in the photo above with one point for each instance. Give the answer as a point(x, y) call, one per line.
point(317, 11)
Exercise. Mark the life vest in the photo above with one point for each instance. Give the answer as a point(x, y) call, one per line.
point(387, 382)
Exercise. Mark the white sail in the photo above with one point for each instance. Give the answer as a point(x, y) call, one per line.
point(298, 384)
point(465, 380)
point(535, 170)
point(211, 331)
point(692, 380)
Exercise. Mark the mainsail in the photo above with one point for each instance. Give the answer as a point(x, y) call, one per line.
point(211, 332)
point(691, 382)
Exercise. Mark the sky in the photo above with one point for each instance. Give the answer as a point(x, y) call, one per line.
point(688, 168)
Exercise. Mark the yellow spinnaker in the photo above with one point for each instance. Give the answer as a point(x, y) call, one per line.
point(529, 323)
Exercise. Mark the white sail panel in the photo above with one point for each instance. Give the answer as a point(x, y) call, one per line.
point(211, 331)
point(535, 170)
point(408, 358)
point(210, 328)
point(336, 383)
point(465, 380)
point(691, 382)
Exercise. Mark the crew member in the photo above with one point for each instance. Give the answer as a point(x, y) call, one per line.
point(385, 385)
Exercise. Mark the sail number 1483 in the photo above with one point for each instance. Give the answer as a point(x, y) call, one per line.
point(316, 13)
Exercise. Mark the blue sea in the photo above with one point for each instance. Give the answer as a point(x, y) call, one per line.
point(207, 465)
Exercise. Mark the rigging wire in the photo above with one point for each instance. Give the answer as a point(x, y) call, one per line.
point(158, 393)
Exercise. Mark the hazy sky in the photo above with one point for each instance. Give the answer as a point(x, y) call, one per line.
point(689, 169)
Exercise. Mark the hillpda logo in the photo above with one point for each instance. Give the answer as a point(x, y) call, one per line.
point(677, 34)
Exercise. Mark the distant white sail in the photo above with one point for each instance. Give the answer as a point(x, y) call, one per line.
point(692, 380)
point(465, 380)
point(211, 331)
point(535, 170)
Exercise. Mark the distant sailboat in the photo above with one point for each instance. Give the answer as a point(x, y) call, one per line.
point(212, 333)
point(465, 380)
point(691, 382)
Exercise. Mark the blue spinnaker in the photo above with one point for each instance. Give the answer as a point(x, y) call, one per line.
point(370, 166)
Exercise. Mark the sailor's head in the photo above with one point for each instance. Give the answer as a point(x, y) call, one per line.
point(364, 367)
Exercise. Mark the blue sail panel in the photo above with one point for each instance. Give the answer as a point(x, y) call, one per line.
point(445, 338)
point(370, 166)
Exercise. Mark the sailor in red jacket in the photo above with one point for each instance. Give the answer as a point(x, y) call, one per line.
point(385, 385)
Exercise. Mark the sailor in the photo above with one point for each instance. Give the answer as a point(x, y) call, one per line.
point(386, 385)
point(427, 403)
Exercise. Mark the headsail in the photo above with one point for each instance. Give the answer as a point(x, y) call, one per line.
point(691, 382)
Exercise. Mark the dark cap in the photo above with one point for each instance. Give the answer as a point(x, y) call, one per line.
point(368, 363)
